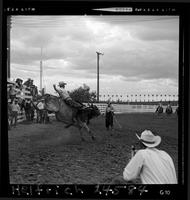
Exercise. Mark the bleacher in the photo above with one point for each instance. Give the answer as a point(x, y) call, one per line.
point(23, 93)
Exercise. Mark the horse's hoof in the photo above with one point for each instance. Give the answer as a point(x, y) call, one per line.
point(93, 138)
point(68, 125)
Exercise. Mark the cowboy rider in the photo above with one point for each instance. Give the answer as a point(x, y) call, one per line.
point(66, 97)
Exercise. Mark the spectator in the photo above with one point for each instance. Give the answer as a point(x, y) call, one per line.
point(177, 110)
point(32, 110)
point(47, 117)
point(34, 90)
point(28, 83)
point(109, 116)
point(22, 105)
point(154, 166)
point(28, 110)
point(12, 92)
point(41, 107)
point(169, 109)
point(19, 83)
point(159, 109)
point(9, 107)
point(15, 110)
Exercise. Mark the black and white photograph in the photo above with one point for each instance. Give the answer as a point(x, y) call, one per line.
point(93, 99)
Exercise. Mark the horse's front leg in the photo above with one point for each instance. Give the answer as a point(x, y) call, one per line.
point(81, 134)
point(88, 130)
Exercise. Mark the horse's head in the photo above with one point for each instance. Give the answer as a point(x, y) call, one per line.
point(95, 112)
point(51, 102)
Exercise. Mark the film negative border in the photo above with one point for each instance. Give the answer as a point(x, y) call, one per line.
point(96, 191)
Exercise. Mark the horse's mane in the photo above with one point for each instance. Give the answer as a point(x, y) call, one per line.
point(47, 95)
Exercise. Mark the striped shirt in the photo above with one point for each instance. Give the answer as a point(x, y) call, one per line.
point(63, 93)
point(153, 166)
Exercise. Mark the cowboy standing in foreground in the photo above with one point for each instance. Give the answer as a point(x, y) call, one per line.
point(152, 165)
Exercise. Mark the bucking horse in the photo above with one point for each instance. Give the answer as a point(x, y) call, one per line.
point(64, 113)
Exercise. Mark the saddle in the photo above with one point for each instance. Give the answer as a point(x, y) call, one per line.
point(79, 110)
point(75, 104)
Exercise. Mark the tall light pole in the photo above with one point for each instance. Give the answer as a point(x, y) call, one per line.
point(8, 46)
point(41, 70)
point(98, 55)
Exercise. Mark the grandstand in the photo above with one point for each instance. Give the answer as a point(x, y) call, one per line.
point(21, 93)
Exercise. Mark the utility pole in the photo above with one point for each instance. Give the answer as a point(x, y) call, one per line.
point(41, 71)
point(98, 55)
point(8, 46)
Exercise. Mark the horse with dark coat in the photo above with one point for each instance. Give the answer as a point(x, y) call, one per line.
point(65, 113)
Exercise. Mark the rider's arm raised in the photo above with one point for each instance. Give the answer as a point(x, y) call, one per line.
point(54, 86)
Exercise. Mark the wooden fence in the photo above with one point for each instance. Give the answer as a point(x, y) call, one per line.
point(126, 108)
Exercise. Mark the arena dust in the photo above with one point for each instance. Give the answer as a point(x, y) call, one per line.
point(51, 154)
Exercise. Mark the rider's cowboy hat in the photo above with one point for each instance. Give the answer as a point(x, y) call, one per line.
point(61, 83)
point(149, 139)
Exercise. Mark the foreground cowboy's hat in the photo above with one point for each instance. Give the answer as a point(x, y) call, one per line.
point(149, 139)
point(62, 83)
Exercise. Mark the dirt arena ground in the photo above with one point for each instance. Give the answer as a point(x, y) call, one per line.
point(51, 154)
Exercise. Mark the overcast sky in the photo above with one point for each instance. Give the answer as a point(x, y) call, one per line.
point(140, 52)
